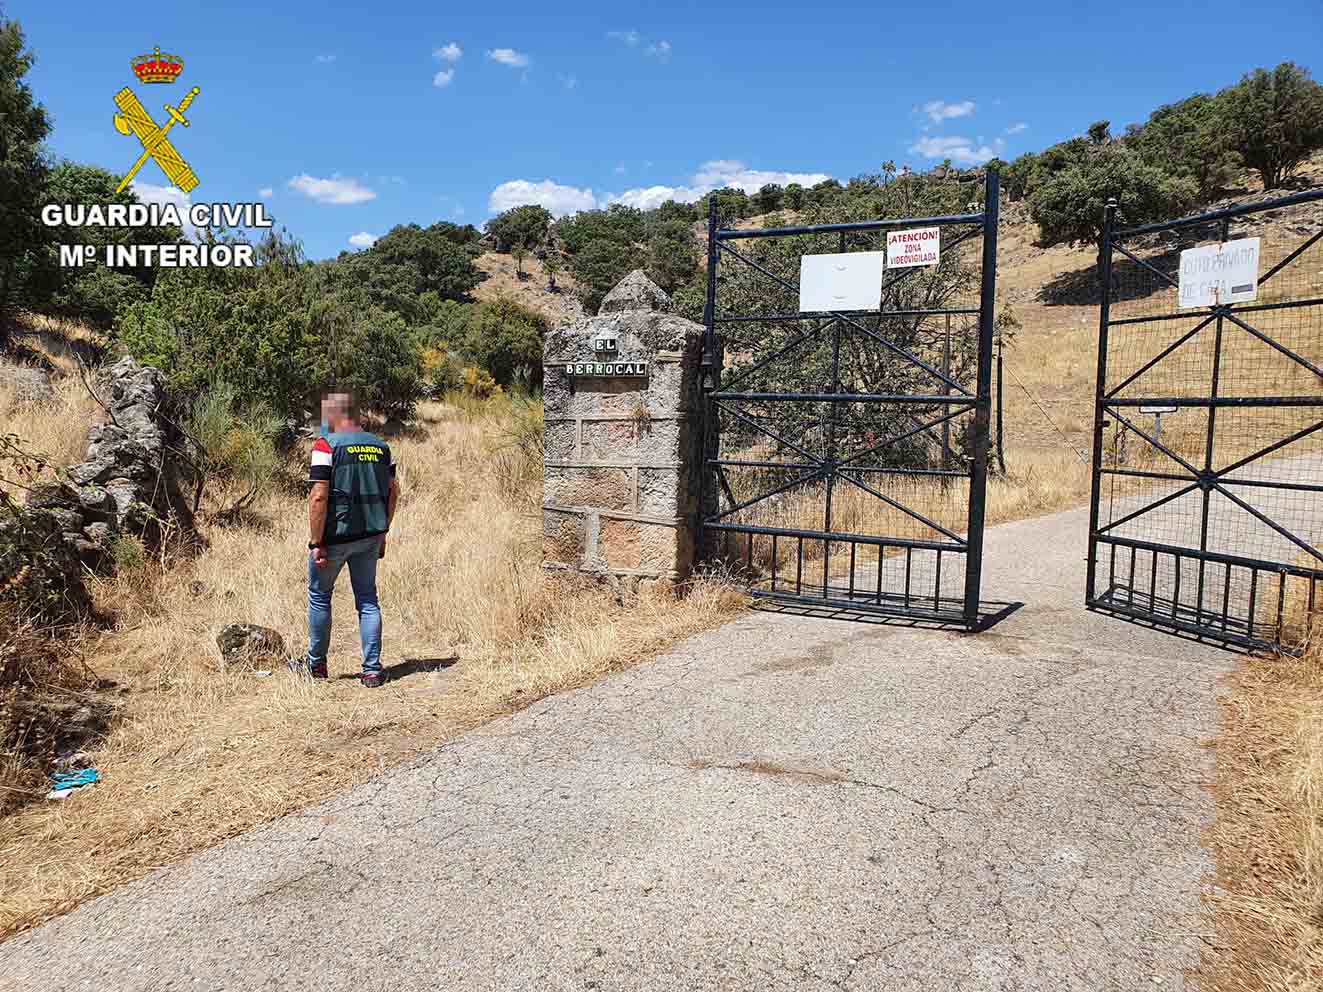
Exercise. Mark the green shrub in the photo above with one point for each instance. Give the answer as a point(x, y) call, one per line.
point(238, 441)
point(503, 336)
point(523, 227)
point(127, 553)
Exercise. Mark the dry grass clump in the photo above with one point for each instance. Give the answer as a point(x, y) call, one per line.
point(57, 430)
point(199, 754)
point(1268, 836)
point(63, 345)
point(46, 706)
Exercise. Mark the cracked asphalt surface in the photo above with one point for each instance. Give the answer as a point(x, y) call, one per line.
point(784, 803)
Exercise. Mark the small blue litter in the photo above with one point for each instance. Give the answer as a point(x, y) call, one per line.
point(65, 783)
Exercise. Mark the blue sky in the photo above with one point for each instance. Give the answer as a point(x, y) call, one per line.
point(350, 118)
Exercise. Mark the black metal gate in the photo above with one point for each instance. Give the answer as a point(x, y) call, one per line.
point(847, 450)
point(1207, 511)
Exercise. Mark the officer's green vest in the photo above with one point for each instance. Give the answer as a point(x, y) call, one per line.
point(361, 470)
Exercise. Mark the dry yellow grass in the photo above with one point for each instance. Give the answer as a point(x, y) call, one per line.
point(1268, 835)
point(200, 754)
point(56, 430)
point(65, 344)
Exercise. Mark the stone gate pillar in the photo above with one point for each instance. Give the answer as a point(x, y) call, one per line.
point(622, 438)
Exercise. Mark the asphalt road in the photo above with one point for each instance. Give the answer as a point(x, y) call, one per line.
point(784, 803)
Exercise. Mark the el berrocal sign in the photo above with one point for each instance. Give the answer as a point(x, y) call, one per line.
point(628, 370)
point(607, 365)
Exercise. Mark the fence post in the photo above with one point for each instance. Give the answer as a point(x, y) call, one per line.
point(1100, 395)
point(707, 373)
point(978, 480)
point(1001, 422)
point(946, 391)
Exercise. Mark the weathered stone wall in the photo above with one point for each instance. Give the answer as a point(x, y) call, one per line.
point(130, 481)
point(623, 454)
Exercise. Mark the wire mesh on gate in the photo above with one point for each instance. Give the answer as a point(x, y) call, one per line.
point(845, 461)
point(1208, 490)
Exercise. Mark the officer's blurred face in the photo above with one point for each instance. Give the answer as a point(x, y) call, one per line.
point(337, 409)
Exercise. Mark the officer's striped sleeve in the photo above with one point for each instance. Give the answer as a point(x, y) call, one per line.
point(320, 470)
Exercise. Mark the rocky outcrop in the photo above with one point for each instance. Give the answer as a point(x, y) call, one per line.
point(131, 480)
point(635, 292)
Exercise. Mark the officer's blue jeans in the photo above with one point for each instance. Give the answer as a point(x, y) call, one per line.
point(361, 556)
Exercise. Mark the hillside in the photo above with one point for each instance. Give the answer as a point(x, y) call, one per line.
point(500, 277)
point(1050, 365)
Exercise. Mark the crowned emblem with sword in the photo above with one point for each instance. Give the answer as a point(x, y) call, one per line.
point(134, 118)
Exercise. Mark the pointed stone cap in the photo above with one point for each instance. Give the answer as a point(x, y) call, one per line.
point(635, 292)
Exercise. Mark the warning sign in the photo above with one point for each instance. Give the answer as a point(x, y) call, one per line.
point(922, 246)
point(1225, 273)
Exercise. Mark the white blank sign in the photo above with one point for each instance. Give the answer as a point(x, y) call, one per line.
point(851, 281)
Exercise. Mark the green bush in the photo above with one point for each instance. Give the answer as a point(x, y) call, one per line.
point(1068, 207)
point(127, 553)
point(502, 336)
point(238, 440)
point(1274, 120)
point(523, 227)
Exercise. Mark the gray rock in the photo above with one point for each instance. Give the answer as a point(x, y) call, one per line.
point(129, 480)
point(635, 292)
point(49, 495)
point(99, 534)
point(242, 643)
point(28, 385)
point(69, 520)
point(96, 503)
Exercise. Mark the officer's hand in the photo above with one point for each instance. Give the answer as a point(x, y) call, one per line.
point(319, 557)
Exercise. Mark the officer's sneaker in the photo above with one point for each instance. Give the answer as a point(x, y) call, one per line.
point(300, 666)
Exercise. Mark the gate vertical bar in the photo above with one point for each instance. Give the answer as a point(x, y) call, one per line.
point(1100, 395)
point(708, 384)
point(830, 453)
point(1206, 485)
point(978, 479)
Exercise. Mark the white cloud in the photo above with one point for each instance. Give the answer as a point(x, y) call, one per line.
point(450, 53)
point(1017, 128)
point(266, 192)
point(939, 110)
point(337, 189)
point(717, 174)
point(151, 193)
point(363, 240)
point(558, 199)
point(726, 172)
point(958, 149)
point(658, 49)
point(648, 197)
point(508, 56)
point(325, 58)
